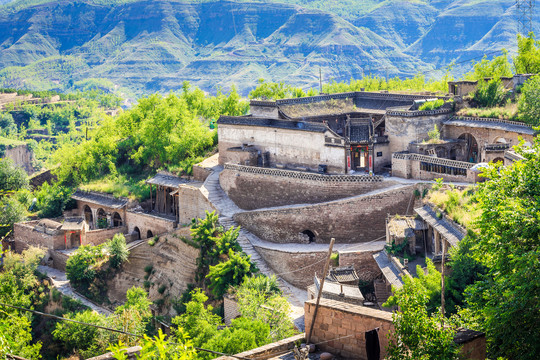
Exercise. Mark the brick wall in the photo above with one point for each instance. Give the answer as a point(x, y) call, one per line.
point(59, 260)
point(24, 234)
point(254, 191)
point(363, 262)
point(357, 219)
point(99, 236)
point(200, 173)
point(193, 204)
point(345, 326)
point(144, 222)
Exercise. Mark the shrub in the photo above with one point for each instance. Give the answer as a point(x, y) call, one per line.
point(229, 273)
point(435, 134)
point(162, 289)
point(80, 267)
point(148, 269)
point(431, 105)
point(118, 250)
point(153, 241)
point(529, 102)
point(491, 93)
point(52, 200)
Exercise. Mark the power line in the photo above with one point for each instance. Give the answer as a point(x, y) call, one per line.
point(110, 329)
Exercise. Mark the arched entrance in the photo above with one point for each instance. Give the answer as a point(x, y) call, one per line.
point(137, 233)
point(102, 222)
point(500, 140)
point(88, 217)
point(149, 234)
point(117, 220)
point(498, 159)
point(471, 151)
point(310, 235)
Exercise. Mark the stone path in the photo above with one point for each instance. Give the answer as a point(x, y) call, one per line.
point(61, 283)
point(227, 208)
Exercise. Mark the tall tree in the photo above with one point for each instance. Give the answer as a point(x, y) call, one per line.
point(507, 300)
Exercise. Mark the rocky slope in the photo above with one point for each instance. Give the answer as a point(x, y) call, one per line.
point(155, 45)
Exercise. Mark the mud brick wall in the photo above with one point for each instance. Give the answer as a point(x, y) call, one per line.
point(193, 204)
point(145, 222)
point(99, 236)
point(298, 268)
point(25, 235)
point(254, 191)
point(347, 324)
point(352, 220)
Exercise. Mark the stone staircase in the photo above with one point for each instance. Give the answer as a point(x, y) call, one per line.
point(226, 209)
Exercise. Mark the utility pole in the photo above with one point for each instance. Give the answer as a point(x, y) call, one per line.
point(320, 291)
point(524, 10)
point(442, 278)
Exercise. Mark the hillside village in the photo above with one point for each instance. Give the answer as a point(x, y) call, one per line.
point(352, 169)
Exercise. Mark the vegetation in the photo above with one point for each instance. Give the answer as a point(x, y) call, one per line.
point(118, 250)
point(460, 205)
point(14, 196)
point(417, 334)
point(431, 105)
point(529, 102)
point(490, 93)
point(229, 273)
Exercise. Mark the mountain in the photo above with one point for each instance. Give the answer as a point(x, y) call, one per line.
point(155, 45)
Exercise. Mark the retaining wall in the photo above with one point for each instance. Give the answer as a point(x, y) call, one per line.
point(353, 220)
point(274, 187)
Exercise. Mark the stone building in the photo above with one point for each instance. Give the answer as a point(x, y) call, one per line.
point(339, 133)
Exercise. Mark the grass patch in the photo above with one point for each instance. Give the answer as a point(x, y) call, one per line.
point(10, 142)
point(121, 185)
point(508, 112)
point(460, 205)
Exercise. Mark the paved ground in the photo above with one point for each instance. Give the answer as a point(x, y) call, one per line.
point(61, 283)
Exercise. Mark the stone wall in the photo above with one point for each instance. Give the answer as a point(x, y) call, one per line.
point(345, 325)
point(22, 156)
point(254, 191)
point(59, 260)
point(25, 235)
point(484, 136)
point(147, 222)
point(193, 204)
point(409, 166)
point(109, 211)
point(174, 266)
point(287, 147)
point(385, 158)
point(363, 262)
point(299, 267)
point(99, 236)
point(230, 309)
point(200, 173)
point(352, 220)
point(403, 130)
point(38, 179)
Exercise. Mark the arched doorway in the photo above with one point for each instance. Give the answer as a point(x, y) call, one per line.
point(471, 152)
point(137, 233)
point(117, 220)
point(88, 217)
point(102, 222)
point(149, 234)
point(310, 235)
point(500, 140)
point(498, 159)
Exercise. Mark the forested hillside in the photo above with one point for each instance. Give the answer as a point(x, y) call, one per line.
point(148, 46)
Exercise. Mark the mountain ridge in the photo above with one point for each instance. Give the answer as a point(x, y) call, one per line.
point(152, 46)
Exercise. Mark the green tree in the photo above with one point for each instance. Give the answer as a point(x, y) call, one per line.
point(7, 124)
point(11, 212)
point(528, 59)
point(80, 267)
point(12, 177)
point(490, 93)
point(529, 101)
point(497, 67)
point(229, 273)
point(418, 335)
point(52, 200)
point(118, 250)
point(506, 301)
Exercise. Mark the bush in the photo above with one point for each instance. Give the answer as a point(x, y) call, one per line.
point(52, 200)
point(491, 93)
point(12, 177)
point(118, 250)
point(148, 269)
point(162, 289)
point(431, 105)
point(80, 267)
point(529, 101)
point(229, 273)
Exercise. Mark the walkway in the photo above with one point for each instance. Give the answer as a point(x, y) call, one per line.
point(227, 208)
point(61, 283)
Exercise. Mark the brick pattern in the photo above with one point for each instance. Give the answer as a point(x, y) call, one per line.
point(303, 175)
point(281, 190)
point(99, 236)
point(25, 235)
point(341, 327)
point(352, 220)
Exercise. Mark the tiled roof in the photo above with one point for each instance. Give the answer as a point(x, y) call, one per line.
point(497, 125)
point(272, 123)
point(167, 180)
point(400, 227)
point(443, 226)
point(100, 199)
point(343, 274)
point(390, 273)
point(73, 224)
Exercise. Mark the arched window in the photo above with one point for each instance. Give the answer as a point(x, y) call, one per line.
point(310, 235)
point(149, 234)
point(137, 233)
point(117, 220)
point(102, 222)
point(88, 217)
